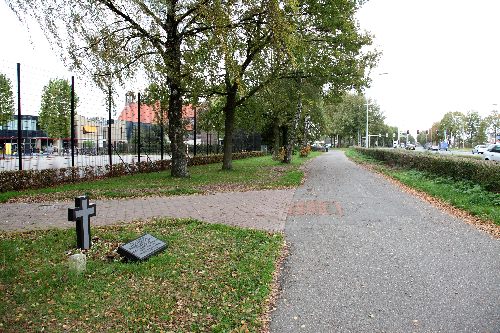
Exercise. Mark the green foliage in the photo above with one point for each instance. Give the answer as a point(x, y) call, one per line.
point(6, 100)
point(484, 173)
point(206, 48)
point(492, 122)
point(210, 278)
point(55, 109)
point(347, 116)
point(453, 123)
point(473, 130)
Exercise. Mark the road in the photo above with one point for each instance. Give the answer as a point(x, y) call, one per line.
point(367, 257)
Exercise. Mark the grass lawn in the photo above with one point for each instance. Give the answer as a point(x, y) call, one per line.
point(210, 278)
point(464, 195)
point(251, 173)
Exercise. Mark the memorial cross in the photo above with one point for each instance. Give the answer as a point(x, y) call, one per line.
point(81, 215)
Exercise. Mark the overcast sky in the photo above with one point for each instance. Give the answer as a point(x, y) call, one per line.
point(440, 56)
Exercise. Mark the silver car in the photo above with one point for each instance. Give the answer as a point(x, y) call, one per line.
point(479, 149)
point(493, 153)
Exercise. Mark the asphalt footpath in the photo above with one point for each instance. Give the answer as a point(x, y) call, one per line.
point(367, 257)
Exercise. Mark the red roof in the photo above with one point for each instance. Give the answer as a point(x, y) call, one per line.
point(130, 113)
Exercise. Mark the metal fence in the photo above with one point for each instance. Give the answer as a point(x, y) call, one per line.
point(108, 127)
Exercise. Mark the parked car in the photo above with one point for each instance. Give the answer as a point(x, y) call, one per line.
point(410, 146)
point(434, 147)
point(479, 149)
point(493, 153)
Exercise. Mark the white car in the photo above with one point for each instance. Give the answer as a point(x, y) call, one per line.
point(479, 149)
point(493, 153)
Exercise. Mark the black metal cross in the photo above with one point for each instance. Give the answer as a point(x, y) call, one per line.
point(81, 214)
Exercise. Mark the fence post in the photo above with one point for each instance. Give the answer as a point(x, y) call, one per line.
point(139, 127)
point(161, 136)
point(194, 131)
point(109, 129)
point(19, 131)
point(72, 121)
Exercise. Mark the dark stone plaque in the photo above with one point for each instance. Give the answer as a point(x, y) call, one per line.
point(142, 248)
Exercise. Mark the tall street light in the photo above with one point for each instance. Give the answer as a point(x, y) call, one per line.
point(495, 126)
point(367, 140)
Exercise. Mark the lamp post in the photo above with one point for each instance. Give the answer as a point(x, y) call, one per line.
point(495, 127)
point(367, 137)
point(367, 141)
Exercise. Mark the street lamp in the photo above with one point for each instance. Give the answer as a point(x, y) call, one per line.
point(367, 141)
point(495, 127)
point(367, 138)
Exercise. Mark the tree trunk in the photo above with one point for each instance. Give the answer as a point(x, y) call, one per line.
point(276, 139)
point(304, 138)
point(175, 125)
point(229, 112)
point(291, 133)
point(176, 134)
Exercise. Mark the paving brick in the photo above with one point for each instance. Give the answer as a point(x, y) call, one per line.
point(265, 210)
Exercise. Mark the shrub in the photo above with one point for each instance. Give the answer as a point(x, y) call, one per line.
point(480, 172)
point(304, 151)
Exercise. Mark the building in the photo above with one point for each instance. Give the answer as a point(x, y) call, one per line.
point(34, 138)
point(90, 133)
point(130, 116)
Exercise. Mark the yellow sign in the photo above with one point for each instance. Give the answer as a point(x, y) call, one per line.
point(89, 129)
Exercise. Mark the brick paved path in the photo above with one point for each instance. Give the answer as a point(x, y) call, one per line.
point(264, 210)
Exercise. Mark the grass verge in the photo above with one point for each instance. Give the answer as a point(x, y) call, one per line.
point(252, 173)
point(210, 278)
point(464, 195)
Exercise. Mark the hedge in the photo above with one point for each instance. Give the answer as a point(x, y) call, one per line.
point(485, 173)
point(19, 180)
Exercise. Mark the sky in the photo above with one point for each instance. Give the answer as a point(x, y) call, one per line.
point(439, 56)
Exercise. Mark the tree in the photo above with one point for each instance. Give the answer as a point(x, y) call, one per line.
point(436, 135)
point(422, 138)
point(453, 124)
point(473, 128)
point(307, 43)
point(348, 117)
point(492, 122)
point(330, 53)
point(246, 49)
point(6, 100)
point(114, 40)
point(55, 109)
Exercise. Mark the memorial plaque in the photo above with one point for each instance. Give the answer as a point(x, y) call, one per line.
point(142, 248)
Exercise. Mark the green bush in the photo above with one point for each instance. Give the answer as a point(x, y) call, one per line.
point(35, 179)
point(485, 173)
